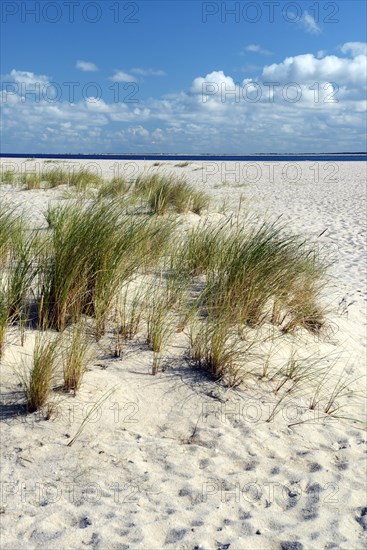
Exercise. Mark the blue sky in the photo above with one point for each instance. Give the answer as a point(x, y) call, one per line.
point(183, 76)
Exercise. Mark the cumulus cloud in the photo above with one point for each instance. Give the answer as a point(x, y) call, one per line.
point(213, 114)
point(148, 72)
point(121, 76)
point(320, 54)
point(307, 67)
point(255, 48)
point(158, 135)
point(138, 131)
point(86, 66)
point(97, 105)
point(354, 48)
point(212, 81)
point(309, 24)
point(27, 77)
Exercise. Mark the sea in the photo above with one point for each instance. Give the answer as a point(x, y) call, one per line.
point(268, 157)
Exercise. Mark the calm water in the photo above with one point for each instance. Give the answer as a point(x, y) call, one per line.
point(327, 157)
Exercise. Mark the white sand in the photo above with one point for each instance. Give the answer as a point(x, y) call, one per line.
point(176, 461)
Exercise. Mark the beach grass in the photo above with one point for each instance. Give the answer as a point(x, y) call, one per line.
point(7, 176)
point(183, 164)
point(10, 228)
point(262, 269)
point(31, 181)
point(199, 250)
point(130, 311)
point(176, 195)
point(159, 320)
point(4, 319)
point(117, 187)
point(55, 177)
point(99, 260)
point(165, 193)
point(83, 179)
point(15, 263)
point(75, 357)
point(37, 383)
point(49, 177)
point(22, 273)
point(215, 348)
point(93, 250)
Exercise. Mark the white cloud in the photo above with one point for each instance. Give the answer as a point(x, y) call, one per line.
point(148, 72)
point(10, 96)
point(211, 82)
point(158, 135)
point(255, 48)
point(309, 23)
point(287, 129)
point(97, 105)
point(27, 77)
point(355, 48)
point(138, 131)
point(307, 67)
point(121, 76)
point(86, 66)
point(320, 54)
point(190, 121)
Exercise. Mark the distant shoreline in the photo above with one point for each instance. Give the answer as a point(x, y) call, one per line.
point(326, 157)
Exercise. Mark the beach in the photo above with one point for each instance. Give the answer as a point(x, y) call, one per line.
point(178, 460)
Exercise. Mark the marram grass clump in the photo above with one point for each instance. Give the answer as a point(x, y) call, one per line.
point(92, 251)
point(165, 193)
point(117, 187)
point(264, 274)
point(129, 271)
point(75, 357)
point(38, 382)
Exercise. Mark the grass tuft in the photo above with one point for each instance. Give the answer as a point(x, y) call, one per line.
point(160, 324)
point(7, 176)
point(117, 187)
point(75, 358)
point(216, 347)
point(38, 383)
point(92, 251)
point(264, 274)
point(164, 193)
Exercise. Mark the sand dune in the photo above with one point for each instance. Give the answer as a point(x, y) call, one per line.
point(177, 460)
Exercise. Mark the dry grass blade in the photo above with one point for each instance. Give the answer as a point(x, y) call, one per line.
point(90, 413)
